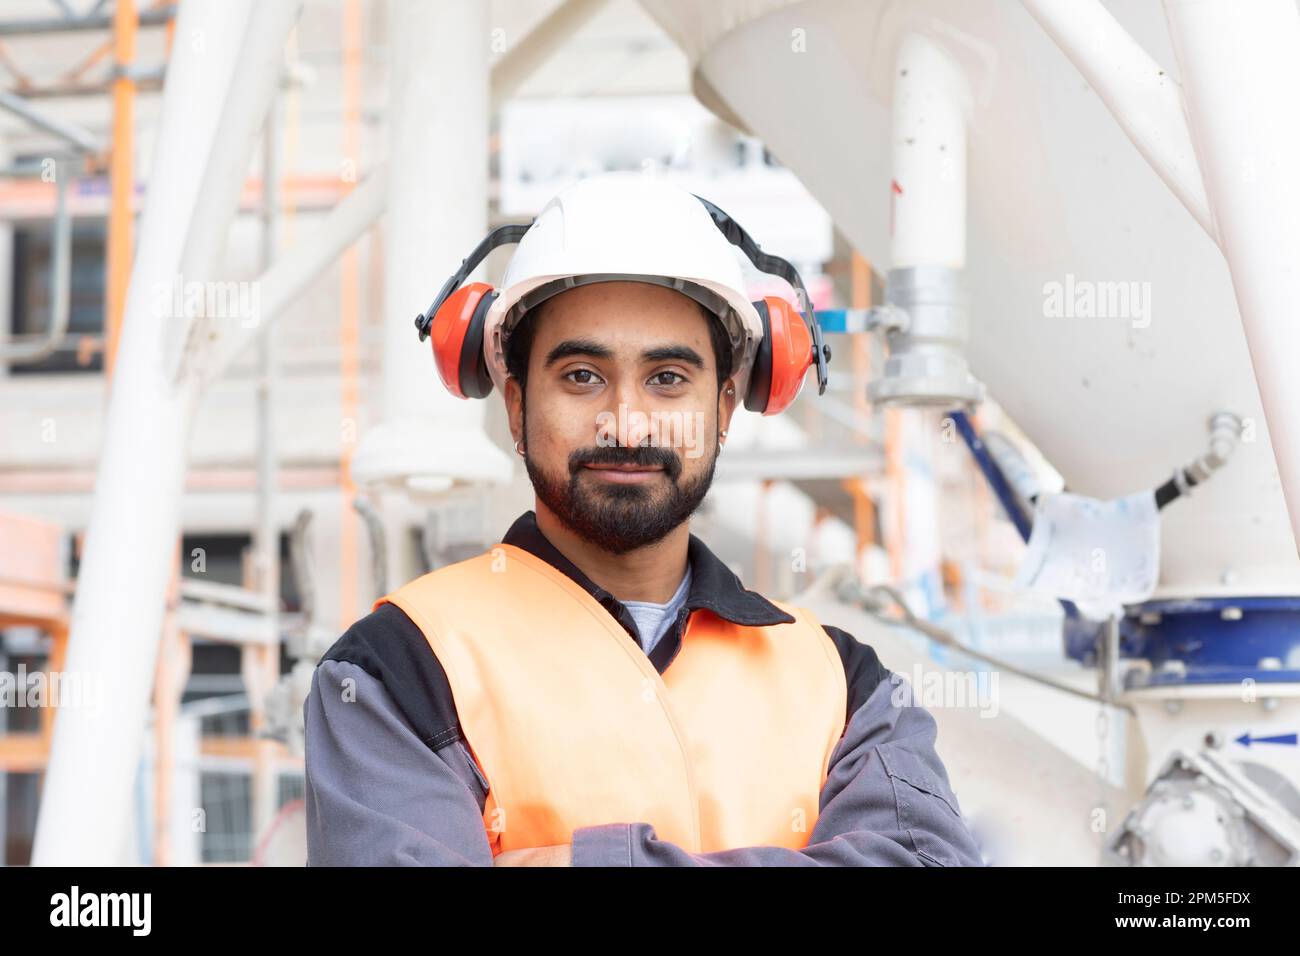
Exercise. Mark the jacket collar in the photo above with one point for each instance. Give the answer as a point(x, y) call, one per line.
point(714, 586)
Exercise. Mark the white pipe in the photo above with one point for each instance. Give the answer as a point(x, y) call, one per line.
point(298, 268)
point(261, 62)
point(931, 101)
point(130, 544)
point(522, 59)
point(266, 537)
point(1240, 64)
point(266, 530)
point(75, 136)
point(1143, 98)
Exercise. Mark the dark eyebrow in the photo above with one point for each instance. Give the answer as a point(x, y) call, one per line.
point(680, 353)
point(662, 353)
point(577, 347)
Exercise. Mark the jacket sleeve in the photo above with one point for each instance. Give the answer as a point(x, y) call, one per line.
point(886, 802)
point(376, 793)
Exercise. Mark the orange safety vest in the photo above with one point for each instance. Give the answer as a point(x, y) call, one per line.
point(572, 726)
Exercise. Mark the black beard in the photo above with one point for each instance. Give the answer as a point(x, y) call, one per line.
point(619, 518)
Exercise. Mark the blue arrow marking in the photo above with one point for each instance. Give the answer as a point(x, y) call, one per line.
point(1246, 739)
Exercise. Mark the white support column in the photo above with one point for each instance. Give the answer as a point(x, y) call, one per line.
point(1143, 98)
point(437, 212)
point(130, 544)
point(1240, 67)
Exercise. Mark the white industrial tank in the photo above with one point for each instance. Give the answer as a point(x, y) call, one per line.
point(1058, 201)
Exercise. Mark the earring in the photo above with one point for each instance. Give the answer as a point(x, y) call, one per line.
point(730, 391)
point(519, 451)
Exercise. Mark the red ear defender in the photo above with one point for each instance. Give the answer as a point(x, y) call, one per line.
point(457, 317)
point(784, 357)
point(457, 334)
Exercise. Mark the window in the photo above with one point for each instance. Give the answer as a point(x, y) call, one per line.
point(33, 284)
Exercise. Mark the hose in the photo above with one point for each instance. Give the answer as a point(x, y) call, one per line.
point(852, 591)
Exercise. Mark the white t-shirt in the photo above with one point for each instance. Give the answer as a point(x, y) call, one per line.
point(653, 620)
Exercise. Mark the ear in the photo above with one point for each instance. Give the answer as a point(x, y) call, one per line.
point(513, 395)
point(727, 404)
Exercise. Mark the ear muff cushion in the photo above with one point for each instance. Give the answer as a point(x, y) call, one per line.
point(475, 379)
point(760, 376)
point(456, 336)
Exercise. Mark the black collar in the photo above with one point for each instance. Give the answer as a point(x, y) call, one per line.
point(714, 586)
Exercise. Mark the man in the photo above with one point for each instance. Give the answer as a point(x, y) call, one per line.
point(599, 688)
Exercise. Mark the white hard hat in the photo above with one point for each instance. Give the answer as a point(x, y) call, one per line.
point(625, 226)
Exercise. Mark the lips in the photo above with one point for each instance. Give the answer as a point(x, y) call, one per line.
point(625, 474)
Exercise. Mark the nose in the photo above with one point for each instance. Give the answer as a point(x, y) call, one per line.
point(627, 423)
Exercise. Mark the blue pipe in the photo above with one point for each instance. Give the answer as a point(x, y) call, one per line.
point(1011, 505)
point(992, 474)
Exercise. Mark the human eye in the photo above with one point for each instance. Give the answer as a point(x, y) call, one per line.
point(667, 379)
point(591, 377)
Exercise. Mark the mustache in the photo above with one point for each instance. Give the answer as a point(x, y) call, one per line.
point(647, 456)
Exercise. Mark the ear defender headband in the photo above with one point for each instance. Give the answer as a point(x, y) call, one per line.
point(791, 343)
